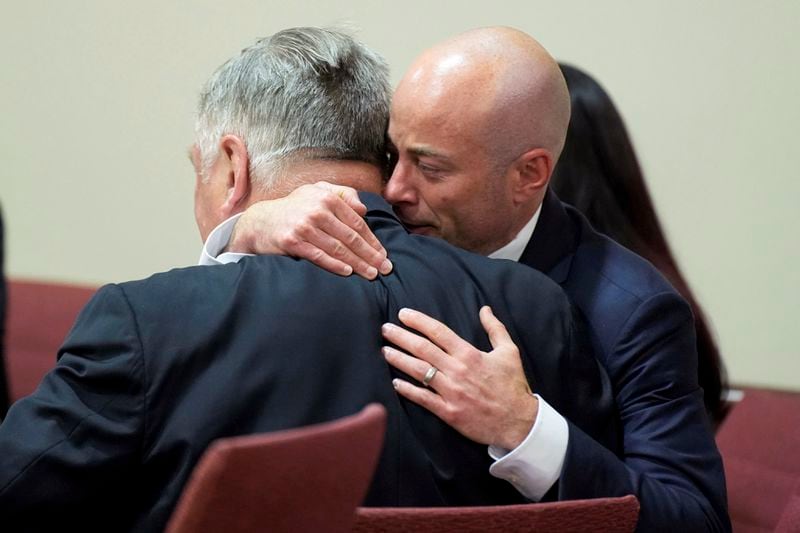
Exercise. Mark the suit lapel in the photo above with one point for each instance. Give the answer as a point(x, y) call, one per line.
point(554, 241)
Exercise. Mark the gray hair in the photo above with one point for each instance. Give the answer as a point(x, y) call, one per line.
point(301, 93)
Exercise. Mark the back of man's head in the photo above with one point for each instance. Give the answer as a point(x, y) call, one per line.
point(303, 93)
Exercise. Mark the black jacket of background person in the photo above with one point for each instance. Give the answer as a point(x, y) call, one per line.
point(154, 370)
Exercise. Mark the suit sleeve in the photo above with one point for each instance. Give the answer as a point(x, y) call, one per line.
point(68, 451)
point(669, 457)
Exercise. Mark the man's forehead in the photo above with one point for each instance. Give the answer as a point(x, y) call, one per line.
point(449, 105)
point(434, 131)
point(416, 137)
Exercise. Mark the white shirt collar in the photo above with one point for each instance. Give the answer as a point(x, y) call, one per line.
point(514, 249)
point(216, 242)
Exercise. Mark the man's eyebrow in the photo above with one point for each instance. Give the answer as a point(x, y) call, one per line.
point(426, 151)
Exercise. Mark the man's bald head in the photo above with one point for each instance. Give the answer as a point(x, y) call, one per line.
point(508, 82)
point(477, 125)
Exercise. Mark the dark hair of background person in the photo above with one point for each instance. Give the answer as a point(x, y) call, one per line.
point(599, 174)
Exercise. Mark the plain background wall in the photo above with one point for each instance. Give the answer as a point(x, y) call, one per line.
point(97, 99)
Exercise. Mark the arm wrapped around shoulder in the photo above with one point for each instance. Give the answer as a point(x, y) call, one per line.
point(669, 459)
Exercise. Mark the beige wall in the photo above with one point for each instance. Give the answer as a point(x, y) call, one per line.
point(97, 97)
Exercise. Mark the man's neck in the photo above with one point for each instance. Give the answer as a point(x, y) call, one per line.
point(514, 248)
point(359, 175)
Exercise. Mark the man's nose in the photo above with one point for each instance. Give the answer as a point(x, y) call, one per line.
point(400, 187)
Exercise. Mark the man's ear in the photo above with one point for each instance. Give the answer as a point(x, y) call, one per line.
point(534, 168)
point(236, 165)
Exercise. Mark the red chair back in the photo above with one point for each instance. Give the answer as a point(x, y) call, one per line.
point(307, 479)
point(39, 316)
point(614, 515)
point(759, 442)
point(790, 519)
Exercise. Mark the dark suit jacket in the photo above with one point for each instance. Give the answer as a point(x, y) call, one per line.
point(154, 370)
point(643, 333)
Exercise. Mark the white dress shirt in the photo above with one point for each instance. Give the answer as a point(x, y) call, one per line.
point(217, 241)
point(533, 466)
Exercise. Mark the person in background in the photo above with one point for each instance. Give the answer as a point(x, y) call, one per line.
point(599, 174)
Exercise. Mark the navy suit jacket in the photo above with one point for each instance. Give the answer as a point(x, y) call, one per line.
point(642, 332)
point(154, 370)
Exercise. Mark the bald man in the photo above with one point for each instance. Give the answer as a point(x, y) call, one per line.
point(477, 125)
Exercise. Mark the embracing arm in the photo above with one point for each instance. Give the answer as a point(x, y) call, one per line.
point(68, 451)
point(669, 459)
point(320, 222)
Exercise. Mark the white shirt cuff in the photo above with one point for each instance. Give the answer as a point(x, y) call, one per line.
point(535, 465)
point(217, 241)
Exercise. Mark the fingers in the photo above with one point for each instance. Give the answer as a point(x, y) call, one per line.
point(503, 346)
point(485, 397)
point(497, 332)
point(322, 259)
point(354, 233)
point(349, 228)
point(414, 367)
point(329, 253)
point(424, 352)
point(434, 330)
point(422, 397)
point(347, 194)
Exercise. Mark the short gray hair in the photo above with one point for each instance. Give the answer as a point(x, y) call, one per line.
point(301, 93)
